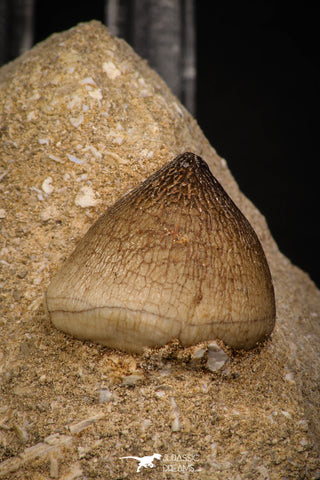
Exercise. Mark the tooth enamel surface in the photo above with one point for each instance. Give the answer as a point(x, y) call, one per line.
point(174, 258)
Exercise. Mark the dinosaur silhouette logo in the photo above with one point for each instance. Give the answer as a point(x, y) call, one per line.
point(146, 462)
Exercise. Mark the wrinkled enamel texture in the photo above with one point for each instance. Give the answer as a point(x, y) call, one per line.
point(174, 258)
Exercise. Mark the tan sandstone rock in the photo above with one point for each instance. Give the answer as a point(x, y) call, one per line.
point(83, 117)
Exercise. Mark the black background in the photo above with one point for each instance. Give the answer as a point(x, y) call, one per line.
point(257, 102)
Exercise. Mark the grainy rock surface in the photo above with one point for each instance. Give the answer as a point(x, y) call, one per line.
point(83, 119)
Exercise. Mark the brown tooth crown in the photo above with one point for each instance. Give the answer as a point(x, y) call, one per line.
point(174, 258)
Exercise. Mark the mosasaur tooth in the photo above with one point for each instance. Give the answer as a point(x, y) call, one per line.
point(174, 258)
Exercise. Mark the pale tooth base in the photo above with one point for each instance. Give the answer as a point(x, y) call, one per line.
point(133, 331)
point(116, 329)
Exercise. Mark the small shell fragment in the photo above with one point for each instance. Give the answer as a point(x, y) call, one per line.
point(217, 358)
point(97, 94)
point(76, 160)
point(111, 70)
point(49, 213)
point(86, 198)
point(47, 186)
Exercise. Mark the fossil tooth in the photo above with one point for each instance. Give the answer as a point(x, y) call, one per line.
point(173, 258)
